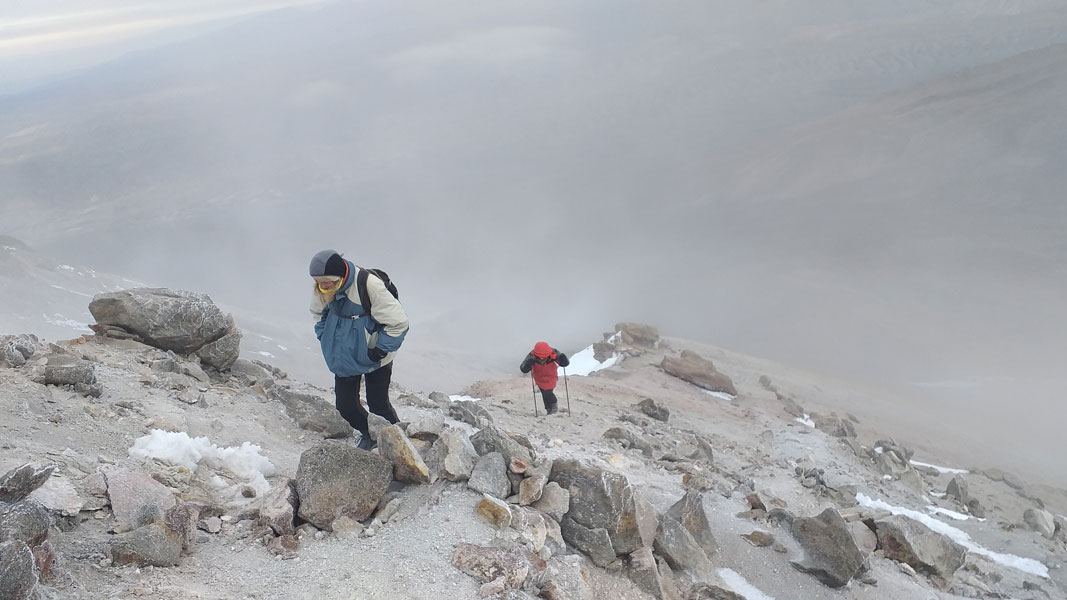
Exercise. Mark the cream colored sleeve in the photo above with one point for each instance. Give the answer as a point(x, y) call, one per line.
point(386, 309)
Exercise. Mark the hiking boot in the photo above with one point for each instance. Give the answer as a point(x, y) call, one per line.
point(366, 443)
point(551, 409)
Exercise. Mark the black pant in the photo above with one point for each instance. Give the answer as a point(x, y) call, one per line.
point(549, 397)
point(346, 392)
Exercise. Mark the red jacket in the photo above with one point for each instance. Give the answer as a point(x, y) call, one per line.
point(545, 370)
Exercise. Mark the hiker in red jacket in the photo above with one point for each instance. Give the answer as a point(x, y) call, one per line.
point(545, 362)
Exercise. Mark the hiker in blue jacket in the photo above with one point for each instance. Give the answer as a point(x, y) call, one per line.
point(360, 325)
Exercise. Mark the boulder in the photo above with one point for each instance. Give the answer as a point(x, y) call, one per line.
point(554, 502)
point(910, 542)
point(488, 564)
point(1040, 521)
point(312, 413)
point(490, 476)
point(222, 352)
point(408, 465)
point(600, 499)
point(470, 413)
point(642, 570)
point(427, 428)
point(18, 483)
point(650, 408)
point(18, 573)
point(699, 371)
point(495, 511)
point(680, 548)
point(174, 320)
point(628, 439)
point(460, 456)
point(830, 553)
point(531, 489)
point(59, 496)
point(62, 369)
point(637, 334)
point(834, 425)
point(15, 350)
point(152, 544)
point(957, 490)
point(493, 439)
point(689, 512)
point(277, 508)
point(593, 542)
point(566, 579)
point(136, 499)
point(334, 479)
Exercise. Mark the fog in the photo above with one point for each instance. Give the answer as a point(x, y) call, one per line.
point(871, 190)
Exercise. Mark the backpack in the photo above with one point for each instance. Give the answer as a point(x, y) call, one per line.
point(361, 286)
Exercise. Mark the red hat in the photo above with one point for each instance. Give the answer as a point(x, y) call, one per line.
point(542, 350)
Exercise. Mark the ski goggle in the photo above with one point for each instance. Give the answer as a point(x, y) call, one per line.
point(328, 284)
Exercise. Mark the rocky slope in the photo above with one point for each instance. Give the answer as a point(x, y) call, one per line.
point(155, 475)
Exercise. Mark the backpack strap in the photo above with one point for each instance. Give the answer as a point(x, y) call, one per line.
point(361, 288)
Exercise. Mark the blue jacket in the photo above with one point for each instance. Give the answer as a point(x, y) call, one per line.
point(346, 334)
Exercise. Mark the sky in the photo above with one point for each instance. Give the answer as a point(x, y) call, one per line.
point(43, 38)
point(867, 189)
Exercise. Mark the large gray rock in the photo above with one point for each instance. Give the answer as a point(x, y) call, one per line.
point(469, 412)
point(566, 579)
point(408, 465)
point(152, 544)
point(312, 413)
point(957, 490)
point(642, 569)
point(494, 439)
point(629, 439)
point(594, 542)
point(25, 521)
point(695, 369)
point(637, 334)
point(277, 508)
point(555, 501)
point(1040, 521)
point(15, 350)
point(222, 352)
point(600, 499)
point(174, 320)
point(830, 553)
point(18, 573)
point(335, 479)
point(20, 482)
point(677, 545)
point(657, 412)
point(61, 369)
point(460, 455)
point(689, 511)
point(490, 476)
point(910, 542)
point(136, 498)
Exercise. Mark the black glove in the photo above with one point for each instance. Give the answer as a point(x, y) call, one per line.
point(376, 354)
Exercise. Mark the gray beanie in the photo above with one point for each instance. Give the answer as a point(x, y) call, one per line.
point(327, 262)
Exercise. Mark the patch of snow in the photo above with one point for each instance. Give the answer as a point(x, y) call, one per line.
point(58, 287)
point(67, 268)
point(878, 450)
point(938, 494)
point(281, 347)
point(937, 510)
point(583, 362)
point(264, 353)
point(719, 395)
point(58, 319)
point(10, 249)
point(177, 448)
point(887, 477)
point(460, 397)
point(806, 421)
point(739, 584)
point(1027, 565)
point(937, 468)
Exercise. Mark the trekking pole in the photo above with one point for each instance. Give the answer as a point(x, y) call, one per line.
point(533, 390)
point(568, 390)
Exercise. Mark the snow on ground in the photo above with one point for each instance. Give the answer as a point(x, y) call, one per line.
point(937, 468)
point(806, 420)
point(583, 363)
point(1027, 565)
point(937, 510)
point(741, 585)
point(264, 353)
point(177, 448)
point(59, 287)
point(60, 320)
point(721, 395)
point(462, 398)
